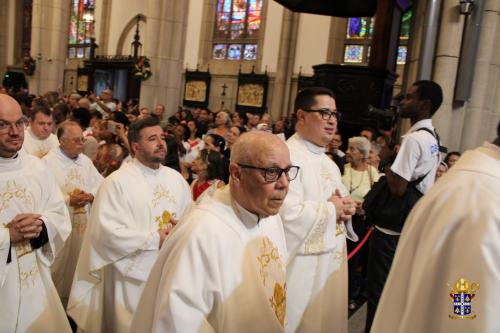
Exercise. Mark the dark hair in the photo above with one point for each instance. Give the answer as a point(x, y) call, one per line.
point(430, 90)
point(81, 116)
point(60, 112)
point(96, 114)
point(306, 97)
point(187, 132)
point(215, 164)
point(61, 128)
point(134, 131)
point(451, 153)
point(120, 117)
point(218, 141)
point(40, 109)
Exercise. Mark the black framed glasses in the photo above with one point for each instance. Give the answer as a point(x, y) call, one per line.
point(272, 174)
point(326, 114)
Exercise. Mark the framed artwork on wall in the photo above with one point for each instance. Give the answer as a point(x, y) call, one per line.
point(197, 88)
point(252, 92)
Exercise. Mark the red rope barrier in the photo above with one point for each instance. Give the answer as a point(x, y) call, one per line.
point(360, 245)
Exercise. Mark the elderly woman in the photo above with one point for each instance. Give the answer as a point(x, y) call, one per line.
point(358, 178)
point(222, 124)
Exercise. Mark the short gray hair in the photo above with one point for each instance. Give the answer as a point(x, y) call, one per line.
point(362, 144)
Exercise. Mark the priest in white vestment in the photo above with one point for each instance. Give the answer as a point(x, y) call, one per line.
point(34, 225)
point(223, 267)
point(78, 180)
point(134, 209)
point(452, 233)
point(38, 137)
point(313, 216)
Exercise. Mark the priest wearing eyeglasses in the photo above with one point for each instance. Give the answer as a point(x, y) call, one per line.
point(223, 267)
point(34, 223)
point(78, 180)
point(316, 217)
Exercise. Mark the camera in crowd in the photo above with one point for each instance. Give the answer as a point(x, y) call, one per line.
point(385, 119)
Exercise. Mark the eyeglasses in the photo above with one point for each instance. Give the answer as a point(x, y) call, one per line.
point(325, 113)
point(76, 140)
point(274, 173)
point(19, 125)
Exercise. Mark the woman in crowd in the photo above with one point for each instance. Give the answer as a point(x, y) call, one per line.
point(358, 178)
point(222, 124)
point(231, 137)
point(208, 166)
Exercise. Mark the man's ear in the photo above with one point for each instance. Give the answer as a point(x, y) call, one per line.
point(300, 115)
point(234, 172)
point(133, 147)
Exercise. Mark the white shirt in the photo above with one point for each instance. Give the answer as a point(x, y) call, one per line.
point(37, 147)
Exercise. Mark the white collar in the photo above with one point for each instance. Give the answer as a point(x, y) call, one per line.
point(313, 148)
point(145, 169)
point(62, 154)
point(10, 163)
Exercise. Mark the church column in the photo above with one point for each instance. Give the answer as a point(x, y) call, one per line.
point(49, 37)
point(166, 30)
point(284, 68)
point(448, 120)
point(3, 36)
point(480, 117)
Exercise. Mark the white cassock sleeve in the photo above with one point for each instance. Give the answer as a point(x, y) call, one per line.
point(55, 217)
point(309, 225)
point(119, 234)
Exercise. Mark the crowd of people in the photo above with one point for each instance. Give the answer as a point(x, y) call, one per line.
point(118, 218)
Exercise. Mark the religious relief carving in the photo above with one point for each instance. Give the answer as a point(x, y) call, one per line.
point(251, 95)
point(196, 91)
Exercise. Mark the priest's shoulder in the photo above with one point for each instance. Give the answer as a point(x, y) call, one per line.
point(171, 172)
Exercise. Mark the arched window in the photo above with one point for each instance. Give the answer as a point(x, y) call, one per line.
point(81, 28)
point(359, 37)
point(237, 28)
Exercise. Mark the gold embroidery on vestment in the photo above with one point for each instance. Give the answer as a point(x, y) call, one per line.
point(278, 302)
point(160, 193)
point(23, 249)
point(28, 278)
point(13, 191)
point(316, 241)
point(268, 253)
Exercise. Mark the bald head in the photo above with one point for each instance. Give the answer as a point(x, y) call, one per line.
point(255, 158)
point(12, 125)
point(256, 145)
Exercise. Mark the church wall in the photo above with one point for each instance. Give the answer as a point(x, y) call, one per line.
point(193, 34)
point(312, 42)
point(272, 34)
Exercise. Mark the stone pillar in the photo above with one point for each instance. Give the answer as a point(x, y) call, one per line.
point(49, 38)
point(448, 120)
point(284, 68)
point(480, 115)
point(166, 30)
point(3, 37)
point(105, 19)
point(336, 40)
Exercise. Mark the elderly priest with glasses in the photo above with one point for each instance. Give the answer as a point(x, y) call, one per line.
point(314, 215)
point(223, 267)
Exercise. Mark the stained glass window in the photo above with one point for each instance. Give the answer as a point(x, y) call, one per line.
point(402, 52)
point(250, 52)
point(405, 25)
point(358, 39)
point(353, 54)
point(237, 27)
point(81, 28)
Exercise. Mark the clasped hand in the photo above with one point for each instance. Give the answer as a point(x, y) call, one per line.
point(24, 227)
point(345, 207)
point(80, 199)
